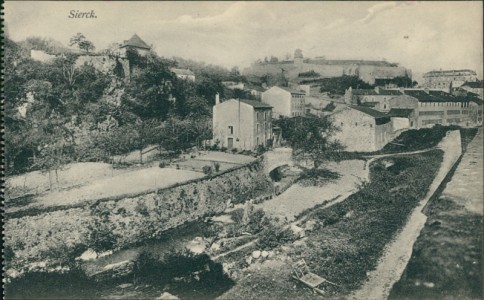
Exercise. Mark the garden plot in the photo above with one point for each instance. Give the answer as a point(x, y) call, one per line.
point(131, 182)
point(71, 175)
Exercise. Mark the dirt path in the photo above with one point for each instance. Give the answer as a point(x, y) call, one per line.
point(398, 253)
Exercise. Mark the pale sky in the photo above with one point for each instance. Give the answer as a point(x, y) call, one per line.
point(422, 36)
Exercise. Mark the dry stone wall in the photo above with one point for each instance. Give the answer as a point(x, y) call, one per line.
point(49, 239)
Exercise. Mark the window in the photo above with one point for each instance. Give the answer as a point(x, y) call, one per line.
point(231, 129)
point(356, 123)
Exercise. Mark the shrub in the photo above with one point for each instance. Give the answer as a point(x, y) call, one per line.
point(207, 170)
point(317, 176)
point(162, 164)
point(273, 236)
point(223, 149)
point(217, 166)
point(237, 215)
point(142, 209)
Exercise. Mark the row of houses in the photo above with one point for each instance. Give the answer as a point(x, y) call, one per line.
point(370, 119)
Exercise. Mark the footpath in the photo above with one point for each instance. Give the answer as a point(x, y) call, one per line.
point(398, 253)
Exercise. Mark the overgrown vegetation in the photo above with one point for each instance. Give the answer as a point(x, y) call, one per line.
point(61, 112)
point(349, 237)
point(447, 257)
point(338, 85)
point(317, 177)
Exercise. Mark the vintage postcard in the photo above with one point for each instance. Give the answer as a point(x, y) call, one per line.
point(242, 150)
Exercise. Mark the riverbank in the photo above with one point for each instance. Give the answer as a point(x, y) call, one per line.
point(446, 261)
point(344, 241)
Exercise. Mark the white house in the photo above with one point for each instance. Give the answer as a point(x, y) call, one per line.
point(285, 102)
point(242, 124)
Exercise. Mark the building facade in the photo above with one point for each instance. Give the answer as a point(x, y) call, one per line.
point(366, 70)
point(446, 80)
point(433, 107)
point(476, 87)
point(285, 102)
point(242, 124)
point(377, 98)
point(134, 43)
point(362, 129)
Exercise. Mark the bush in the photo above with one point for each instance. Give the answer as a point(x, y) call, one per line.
point(234, 150)
point(317, 177)
point(162, 164)
point(217, 166)
point(273, 236)
point(207, 170)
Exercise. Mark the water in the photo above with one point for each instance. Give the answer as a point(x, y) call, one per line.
point(162, 265)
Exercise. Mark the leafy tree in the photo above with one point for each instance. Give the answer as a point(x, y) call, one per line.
point(81, 42)
point(338, 85)
point(149, 92)
point(310, 138)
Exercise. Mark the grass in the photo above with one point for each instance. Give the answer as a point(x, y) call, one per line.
point(447, 256)
point(350, 236)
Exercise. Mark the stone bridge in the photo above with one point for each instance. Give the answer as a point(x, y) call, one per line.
point(277, 157)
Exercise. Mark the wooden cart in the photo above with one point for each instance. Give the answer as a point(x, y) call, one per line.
point(301, 272)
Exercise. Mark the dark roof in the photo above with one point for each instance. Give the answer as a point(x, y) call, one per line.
point(400, 112)
point(444, 96)
point(422, 96)
point(255, 103)
point(364, 92)
point(474, 84)
point(135, 41)
point(371, 112)
point(389, 92)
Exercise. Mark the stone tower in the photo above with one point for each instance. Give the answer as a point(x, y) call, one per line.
point(298, 57)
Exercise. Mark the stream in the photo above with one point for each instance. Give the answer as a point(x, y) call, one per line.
point(161, 266)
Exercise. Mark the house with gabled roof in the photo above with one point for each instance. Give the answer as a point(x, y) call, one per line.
point(286, 102)
point(134, 43)
point(242, 124)
point(362, 128)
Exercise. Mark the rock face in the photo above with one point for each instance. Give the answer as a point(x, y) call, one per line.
point(57, 236)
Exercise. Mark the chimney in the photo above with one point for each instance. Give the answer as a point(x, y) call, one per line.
point(217, 99)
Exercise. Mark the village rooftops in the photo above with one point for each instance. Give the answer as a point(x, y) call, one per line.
point(449, 72)
point(186, 72)
point(474, 84)
point(136, 42)
point(400, 112)
point(389, 92)
point(371, 112)
point(433, 96)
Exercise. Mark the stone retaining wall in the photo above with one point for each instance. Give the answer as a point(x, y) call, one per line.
point(45, 240)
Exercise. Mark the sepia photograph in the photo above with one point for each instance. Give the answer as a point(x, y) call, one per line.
point(242, 150)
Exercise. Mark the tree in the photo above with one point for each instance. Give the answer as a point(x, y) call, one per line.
point(310, 138)
point(150, 90)
point(81, 42)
